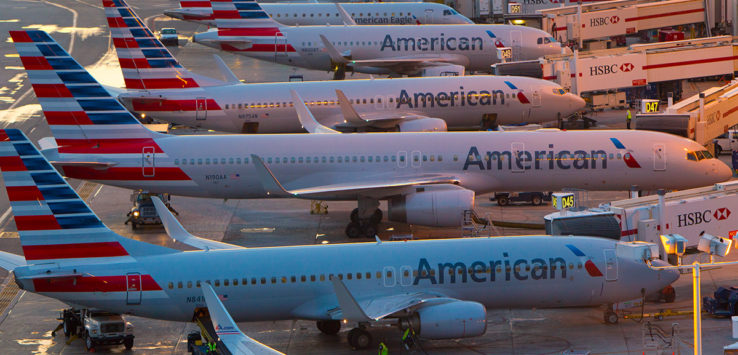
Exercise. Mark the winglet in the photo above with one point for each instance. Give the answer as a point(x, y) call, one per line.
point(333, 52)
point(269, 182)
point(307, 120)
point(226, 328)
point(348, 111)
point(345, 17)
point(350, 309)
point(177, 232)
point(225, 70)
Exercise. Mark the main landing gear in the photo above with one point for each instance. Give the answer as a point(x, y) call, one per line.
point(364, 219)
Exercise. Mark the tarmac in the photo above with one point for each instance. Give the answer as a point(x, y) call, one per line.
point(26, 319)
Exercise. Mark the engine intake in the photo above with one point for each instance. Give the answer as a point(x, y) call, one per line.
point(437, 206)
point(457, 319)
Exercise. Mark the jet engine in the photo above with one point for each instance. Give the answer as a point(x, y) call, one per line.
point(423, 125)
point(432, 205)
point(457, 319)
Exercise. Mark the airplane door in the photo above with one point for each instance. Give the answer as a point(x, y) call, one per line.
point(659, 157)
point(402, 159)
point(201, 108)
point(428, 18)
point(416, 159)
point(280, 46)
point(611, 265)
point(535, 98)
point(147, 161)
point(389, 276)
point(516, 157)
point(133, 288)
point(406, 275)
point(516, 41)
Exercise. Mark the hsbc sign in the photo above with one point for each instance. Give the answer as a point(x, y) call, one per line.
point(604, 21)
point(705, 216)
point(610, 69)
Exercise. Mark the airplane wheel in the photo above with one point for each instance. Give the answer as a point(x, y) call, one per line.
point(370, 230)
point(376, 217)
point(353, 230)
point(328, 327)
point(359, 339)
point(128, 343)
point(503, 201)
point(611, 317)
point(536, 200)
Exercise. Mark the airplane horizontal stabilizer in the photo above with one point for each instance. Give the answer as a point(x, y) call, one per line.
point(10, 261)
point(176, 231)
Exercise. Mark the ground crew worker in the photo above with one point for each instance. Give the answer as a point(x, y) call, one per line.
point(383, 349)
point(627, 119)
point(407, 338)
point(211, 347)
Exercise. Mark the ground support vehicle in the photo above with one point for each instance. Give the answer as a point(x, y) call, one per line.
point(535, 198)
point(96, 328)
point(143, 210)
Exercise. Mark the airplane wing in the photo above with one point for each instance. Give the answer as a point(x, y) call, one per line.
point(376, 187)
point(345, 17)
point(234, 339)
point(10, 261)
point(177, 232)
point(374, 308)
point(307, 120)
point(377, 119)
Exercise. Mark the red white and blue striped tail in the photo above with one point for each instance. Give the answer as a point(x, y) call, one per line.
point(80, 112)
point(230, 14)
point(53, 222)
point(145, 61)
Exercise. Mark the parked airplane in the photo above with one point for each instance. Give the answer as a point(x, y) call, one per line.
point(165, 90)
point(244, 28)
point(440, 288)
point(308, 14)
point(227, 330)
point(428, 178)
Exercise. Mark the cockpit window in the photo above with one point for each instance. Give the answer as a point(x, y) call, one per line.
point(547, 40)
point(698, 155)
point(449, 12)
point(540, 40)
point(559, 91)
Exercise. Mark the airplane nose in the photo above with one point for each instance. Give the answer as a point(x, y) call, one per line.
point(576, 103)
point(721, 171)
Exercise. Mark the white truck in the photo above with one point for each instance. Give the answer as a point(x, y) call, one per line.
point(710, 209)
point(96, 327)
point(727, 142)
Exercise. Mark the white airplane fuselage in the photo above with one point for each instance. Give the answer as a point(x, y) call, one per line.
point(287, 283)
point(309, 14)
point(471, 46)
point(465, 102)
point(220, 166)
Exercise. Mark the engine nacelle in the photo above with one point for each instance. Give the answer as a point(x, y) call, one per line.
point(458, 319)
point(444, 70)
point(437, 206)
point(423, 125)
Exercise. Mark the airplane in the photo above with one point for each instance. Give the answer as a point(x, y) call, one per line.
point(427, 178)
point(227, 330)
point(160, 88)
point(440, 288)
point(376, 49)
point(308, 14)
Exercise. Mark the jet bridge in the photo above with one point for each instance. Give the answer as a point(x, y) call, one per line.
point(702, 117)
point(616, 18)
point(641, 64)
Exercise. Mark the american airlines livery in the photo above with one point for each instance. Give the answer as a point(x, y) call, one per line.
point(428, 178)
point(441, 288)
point(309, 14)
point(162, 89)
point(244, 28)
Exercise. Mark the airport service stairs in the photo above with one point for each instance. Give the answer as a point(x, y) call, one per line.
point(474, 225)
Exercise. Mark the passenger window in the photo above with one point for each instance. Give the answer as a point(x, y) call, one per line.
point(263, 280)
point(312, 278)
point(348, 276)
point(199, 161)
point(179, 284)
point(226, 282)
point(244, 281)
point(299, 160)
point(284, 280)
point(197, 284)
point(368, 275)
point(358, 276)
point(540, 40)
point(189, 284)
point(322, 277)
point(331, 160)
point(302, 278)
point(217, 283)
point(379, 274)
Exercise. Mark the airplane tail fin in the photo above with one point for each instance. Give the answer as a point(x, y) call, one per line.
point(145, 61)
point(233, 14)
point(53, 222)
point(82, 115)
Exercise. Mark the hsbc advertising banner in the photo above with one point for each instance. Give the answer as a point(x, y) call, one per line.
point(602, 73)
point(716, 215)
point(529, 7)
point(605, 23)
